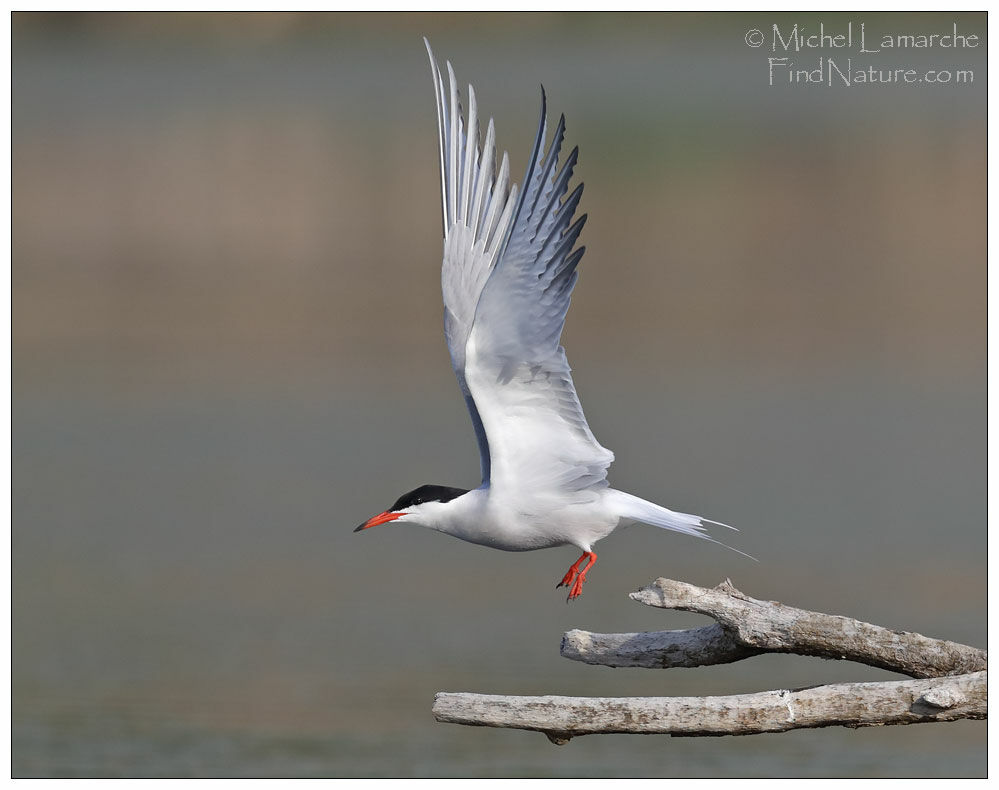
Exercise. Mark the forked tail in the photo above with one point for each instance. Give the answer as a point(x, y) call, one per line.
point(634, 508)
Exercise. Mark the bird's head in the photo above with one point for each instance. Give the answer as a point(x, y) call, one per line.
point(419, 506)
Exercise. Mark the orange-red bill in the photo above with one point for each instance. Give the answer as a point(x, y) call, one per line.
point(381, 518)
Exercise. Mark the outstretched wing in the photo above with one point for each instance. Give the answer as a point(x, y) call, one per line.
point(478, 206)
point(508, 274)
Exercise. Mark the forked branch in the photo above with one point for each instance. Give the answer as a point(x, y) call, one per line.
point(747, 626)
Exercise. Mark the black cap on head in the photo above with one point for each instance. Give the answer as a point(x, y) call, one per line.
point(427, 493)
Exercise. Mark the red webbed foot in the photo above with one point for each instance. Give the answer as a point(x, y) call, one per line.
point(575, 577)
point(570, 575)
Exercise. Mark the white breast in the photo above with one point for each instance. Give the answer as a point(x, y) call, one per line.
point(491, 519)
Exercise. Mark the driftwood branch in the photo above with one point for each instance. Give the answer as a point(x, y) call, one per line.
point(952, 681)
point(843, 704)
point(746, 627)
point(694, 647)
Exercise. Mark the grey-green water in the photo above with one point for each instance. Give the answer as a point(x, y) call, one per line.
point(189, 598)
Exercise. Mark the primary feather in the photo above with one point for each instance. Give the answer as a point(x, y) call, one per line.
point(477, 210)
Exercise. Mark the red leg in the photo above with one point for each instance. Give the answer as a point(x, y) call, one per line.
point(576, 577)
point(570, 574)
point(577, 586)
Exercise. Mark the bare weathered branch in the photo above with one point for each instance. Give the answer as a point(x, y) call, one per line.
point(694, 647)
point(841, 704)
point(952, 681)
point(768, 626)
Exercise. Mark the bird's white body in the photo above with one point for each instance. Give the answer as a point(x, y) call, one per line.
point(487, 518)
point(508, 271)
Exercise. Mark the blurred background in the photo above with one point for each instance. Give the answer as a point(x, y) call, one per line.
point(227, 352)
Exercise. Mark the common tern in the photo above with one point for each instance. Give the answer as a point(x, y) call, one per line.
point(509, 267)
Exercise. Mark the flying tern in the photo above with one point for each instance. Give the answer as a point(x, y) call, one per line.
point(509, 267)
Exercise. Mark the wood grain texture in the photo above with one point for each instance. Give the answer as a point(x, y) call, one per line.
point(951, 679)
point(769, 626)
point(842, 704)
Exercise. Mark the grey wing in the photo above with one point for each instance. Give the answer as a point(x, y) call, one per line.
point(515, 368)
point(477, 208)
